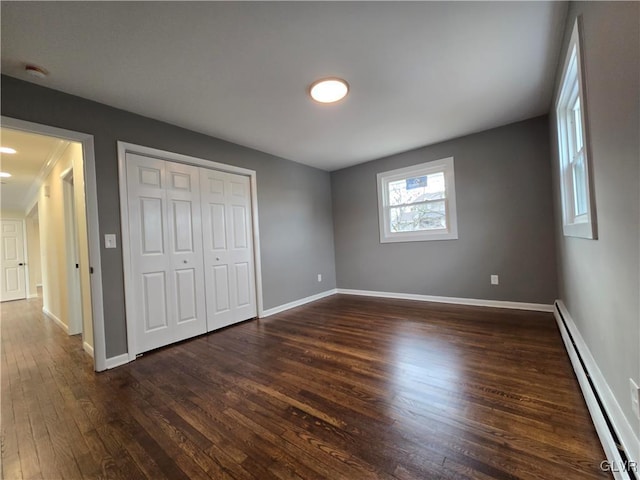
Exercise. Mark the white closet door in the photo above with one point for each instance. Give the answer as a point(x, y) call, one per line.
point(228, 248)
point(166, 251)
point(185, 243)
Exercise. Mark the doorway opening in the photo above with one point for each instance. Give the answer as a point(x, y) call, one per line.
point(73, 260)
point(34, 267)
point(52, 192)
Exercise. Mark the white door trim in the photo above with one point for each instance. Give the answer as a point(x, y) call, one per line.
point(93, 226)
point(123, 149)
point(27, 278)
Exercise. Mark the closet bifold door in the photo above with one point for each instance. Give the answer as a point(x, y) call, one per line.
point(185, 243)
point(228, 248)
point(166, 251)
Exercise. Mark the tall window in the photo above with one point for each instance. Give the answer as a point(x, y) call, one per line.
point(418, 203)
point(577, 200)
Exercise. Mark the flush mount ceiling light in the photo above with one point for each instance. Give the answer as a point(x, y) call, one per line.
point(4, 175)
point(7, 150)
point(329, 90)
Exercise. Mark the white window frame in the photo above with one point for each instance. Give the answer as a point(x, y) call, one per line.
point(574, 223)
point(444, 165)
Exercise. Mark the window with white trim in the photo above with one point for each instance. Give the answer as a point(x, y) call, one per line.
point(577, 201)
point(418, 203)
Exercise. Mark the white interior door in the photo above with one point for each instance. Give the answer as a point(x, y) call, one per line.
point(185, 245)
point(166, 251)
point(12, 281)
point(74, 293)
point(228, 248)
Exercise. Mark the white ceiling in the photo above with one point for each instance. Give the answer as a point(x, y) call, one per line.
point(420, 72)
point(35, 155)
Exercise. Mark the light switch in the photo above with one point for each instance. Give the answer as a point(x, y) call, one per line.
point(110, 240)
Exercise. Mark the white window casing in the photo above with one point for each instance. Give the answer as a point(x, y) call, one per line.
point(578, 205)
point(418, 203)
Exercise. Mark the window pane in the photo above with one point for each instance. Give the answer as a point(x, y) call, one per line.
point(413, 218)
point(579, 186)
point(417, 189)
point(577, 122)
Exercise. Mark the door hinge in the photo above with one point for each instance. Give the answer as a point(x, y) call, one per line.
point(77, 265)
point(90, 269)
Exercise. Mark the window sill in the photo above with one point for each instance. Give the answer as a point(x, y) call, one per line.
point(580, 230)
point(412, 237)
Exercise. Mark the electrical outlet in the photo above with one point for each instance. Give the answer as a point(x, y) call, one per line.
point(319, 277)
point(494, 280)
point(635, 397)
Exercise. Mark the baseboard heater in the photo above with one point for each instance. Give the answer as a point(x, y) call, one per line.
point(618, 462)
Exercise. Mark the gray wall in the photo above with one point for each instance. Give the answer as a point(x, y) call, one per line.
point(598, 279)
point(294, 201)
point(505, 222)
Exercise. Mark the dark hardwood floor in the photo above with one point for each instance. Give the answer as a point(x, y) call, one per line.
point(344, 388)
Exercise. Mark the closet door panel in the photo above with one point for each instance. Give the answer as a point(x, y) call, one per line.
point(185, 243)
point(166, 251)
point(149, 255)
point(228, 255)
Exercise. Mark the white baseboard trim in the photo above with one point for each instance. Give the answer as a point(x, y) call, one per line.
point(538, 307)
point(116, 361)
point(87, 348)
point(56, 320)
point(297, 303)
point(32, 295)
point(628, 439)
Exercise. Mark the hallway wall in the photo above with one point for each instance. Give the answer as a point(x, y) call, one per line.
point(57, 268)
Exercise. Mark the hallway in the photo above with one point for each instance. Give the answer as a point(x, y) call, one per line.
point(37, 385)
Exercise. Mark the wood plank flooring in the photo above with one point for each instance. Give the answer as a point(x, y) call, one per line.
point(344, 388)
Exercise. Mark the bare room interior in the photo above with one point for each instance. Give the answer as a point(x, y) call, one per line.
point(320, 240)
